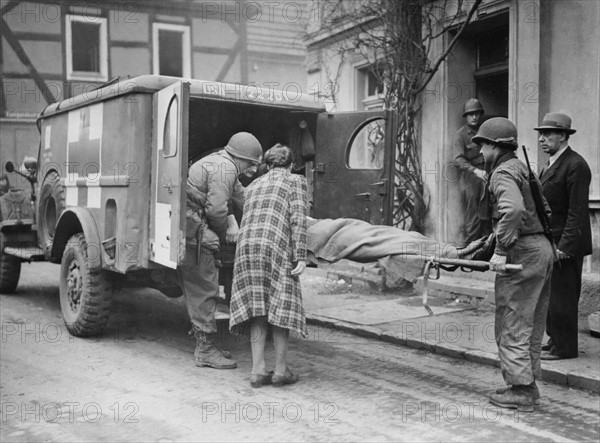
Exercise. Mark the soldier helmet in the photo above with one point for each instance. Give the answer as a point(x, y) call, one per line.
point(245, 146)
point(472, 105)
point(500, 131)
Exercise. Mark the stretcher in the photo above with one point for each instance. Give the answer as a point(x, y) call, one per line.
point(403, 254)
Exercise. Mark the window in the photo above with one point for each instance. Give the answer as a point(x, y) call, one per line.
point(86, 48)
point(370, 87)
point(492, 48)
point(171, 133)
point(171, 53)
point(368, 146)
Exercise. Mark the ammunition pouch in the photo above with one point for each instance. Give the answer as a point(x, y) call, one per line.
point(195, 223)
point(197, 233)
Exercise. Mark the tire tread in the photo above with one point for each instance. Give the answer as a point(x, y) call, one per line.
point(96, 305)
point(10, 271)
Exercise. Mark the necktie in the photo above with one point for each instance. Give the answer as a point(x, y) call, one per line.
point(545, 168)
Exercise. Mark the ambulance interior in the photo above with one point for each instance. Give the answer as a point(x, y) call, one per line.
point(212, 123)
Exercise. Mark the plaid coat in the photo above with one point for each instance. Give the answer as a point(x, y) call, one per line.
point(272, 237)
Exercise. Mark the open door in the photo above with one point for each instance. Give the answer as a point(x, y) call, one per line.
point(354, 164)
point(170, 157)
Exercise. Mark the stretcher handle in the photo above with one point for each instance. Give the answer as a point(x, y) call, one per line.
point(432, 260)
point(470, 263)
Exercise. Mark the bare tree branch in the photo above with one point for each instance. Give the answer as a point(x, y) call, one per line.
point(395, 38)
point(450, 46)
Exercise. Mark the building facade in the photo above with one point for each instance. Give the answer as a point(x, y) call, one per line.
point(522, 59)
point(54, 50)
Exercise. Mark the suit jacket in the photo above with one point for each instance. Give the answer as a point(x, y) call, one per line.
point(566, 186)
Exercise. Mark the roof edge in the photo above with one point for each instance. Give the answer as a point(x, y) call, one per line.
point(290, 97)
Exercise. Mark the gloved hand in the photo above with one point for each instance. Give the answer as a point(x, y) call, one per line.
point(232, 229)
point(498, 263)
point(480, 173)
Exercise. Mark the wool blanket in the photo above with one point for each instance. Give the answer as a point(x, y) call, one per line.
point(399, 252)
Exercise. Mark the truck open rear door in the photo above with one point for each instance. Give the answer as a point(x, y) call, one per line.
point(354, 166)
point(169, 166)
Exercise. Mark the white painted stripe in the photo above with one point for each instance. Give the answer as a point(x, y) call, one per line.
point(94, 195)
point(71, 179)
point(47, 136)
point(92, 179)
point(73, 129)
point(96, 120)
point(72, 196)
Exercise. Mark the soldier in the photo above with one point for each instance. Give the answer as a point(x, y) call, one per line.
point(213, 192)
point(566, 185)
point(470, 163)
point(521, 297)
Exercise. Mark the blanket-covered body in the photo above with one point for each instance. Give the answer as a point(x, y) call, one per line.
point(399, 252)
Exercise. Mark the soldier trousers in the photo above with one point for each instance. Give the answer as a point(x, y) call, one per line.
point(199, 279)
point(522, 299)
point(472, 189)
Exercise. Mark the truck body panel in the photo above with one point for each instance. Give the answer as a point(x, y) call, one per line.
point(112, 171)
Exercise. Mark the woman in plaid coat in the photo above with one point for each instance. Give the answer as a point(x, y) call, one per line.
point(270, 255)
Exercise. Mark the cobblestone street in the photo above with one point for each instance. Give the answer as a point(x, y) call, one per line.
point(138, 382)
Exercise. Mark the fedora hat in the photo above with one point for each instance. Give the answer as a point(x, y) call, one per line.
point(557, 121)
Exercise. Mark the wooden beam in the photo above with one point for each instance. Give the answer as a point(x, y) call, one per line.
point(16, 46)
point(243, 52)
point(38, 36)
point(234, 52)
point(8, 7)
point(212, 50)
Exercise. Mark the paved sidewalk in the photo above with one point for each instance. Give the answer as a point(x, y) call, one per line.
point(351, 299)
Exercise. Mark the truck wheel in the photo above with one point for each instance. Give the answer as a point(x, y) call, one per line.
point(52, 204)
point(10, 271)
point(85, 294)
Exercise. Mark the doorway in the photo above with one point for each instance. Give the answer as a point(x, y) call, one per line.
point(477, 67)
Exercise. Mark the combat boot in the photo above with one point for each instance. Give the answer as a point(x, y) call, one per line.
point(536, 392)
point(225, 352)
point(206, 354)
point(518, 397)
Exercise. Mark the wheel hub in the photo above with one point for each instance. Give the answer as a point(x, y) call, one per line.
point(74, 286)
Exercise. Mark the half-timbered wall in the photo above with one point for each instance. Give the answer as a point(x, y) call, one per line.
point(233, 41)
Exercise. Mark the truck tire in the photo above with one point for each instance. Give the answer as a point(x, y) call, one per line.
point(51, 206)
point(85, 294)
point(10, 271)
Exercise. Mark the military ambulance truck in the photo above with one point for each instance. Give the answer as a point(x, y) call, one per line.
point(108, 199)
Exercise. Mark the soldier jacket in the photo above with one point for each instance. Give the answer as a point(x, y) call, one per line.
point(513, 208)
point(566, 186)
point(212, 187)
point(467, 154)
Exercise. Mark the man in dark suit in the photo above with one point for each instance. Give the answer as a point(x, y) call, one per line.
point(566, 186)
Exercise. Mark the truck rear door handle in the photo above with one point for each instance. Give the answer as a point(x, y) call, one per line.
point(169, 186)
point(363, 196)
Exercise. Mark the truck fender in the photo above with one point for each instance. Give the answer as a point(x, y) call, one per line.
point(73, 221)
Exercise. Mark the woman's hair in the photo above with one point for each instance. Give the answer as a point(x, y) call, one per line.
point(279, 156)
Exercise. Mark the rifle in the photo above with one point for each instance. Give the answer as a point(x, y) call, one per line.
point(538, 198)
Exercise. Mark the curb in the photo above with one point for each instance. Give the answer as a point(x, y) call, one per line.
point(570, 379)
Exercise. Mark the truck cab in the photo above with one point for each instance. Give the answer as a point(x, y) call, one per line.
point(109, 193)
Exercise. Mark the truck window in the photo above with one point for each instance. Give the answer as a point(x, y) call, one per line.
point(366, 148)
point(171, 133)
